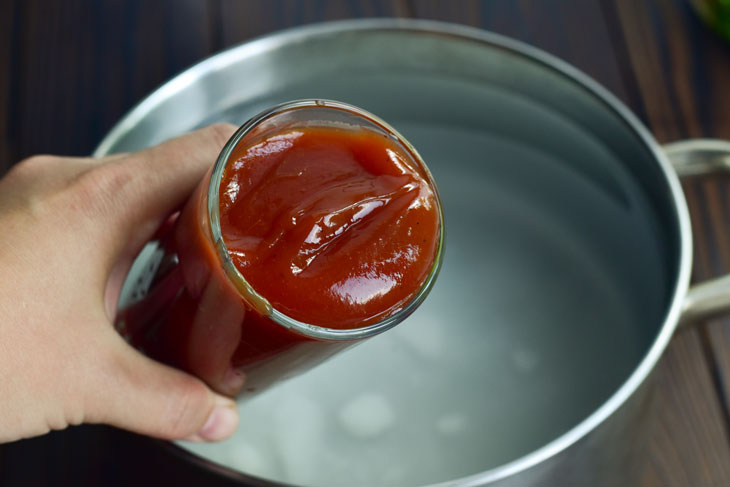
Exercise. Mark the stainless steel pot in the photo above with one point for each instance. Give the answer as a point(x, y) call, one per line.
point(566, 270)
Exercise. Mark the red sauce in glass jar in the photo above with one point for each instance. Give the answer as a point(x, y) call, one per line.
point(326, 229)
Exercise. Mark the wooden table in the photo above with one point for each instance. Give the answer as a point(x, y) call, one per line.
point(70, 69)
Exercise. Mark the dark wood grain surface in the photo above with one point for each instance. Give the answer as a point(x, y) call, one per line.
point(69, 70)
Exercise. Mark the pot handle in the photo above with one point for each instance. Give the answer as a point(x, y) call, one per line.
point(698, 157)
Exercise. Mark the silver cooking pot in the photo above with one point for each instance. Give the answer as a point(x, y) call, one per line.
point(566, 272)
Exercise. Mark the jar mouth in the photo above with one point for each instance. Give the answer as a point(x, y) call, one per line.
point(259, 302)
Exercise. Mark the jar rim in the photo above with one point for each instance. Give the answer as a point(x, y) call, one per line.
point(259, 302)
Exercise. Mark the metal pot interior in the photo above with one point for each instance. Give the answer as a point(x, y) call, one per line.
point(562, 254)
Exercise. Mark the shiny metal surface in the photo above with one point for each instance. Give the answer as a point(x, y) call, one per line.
point(702, 157)
point(699, 157)
point(567, 263)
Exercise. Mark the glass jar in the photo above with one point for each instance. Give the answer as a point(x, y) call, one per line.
point(191, 307)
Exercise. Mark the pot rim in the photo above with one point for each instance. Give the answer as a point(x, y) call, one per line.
point(279, 39)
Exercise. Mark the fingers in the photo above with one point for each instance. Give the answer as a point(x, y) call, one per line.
point(128, 197)
point(144, 396)
point(157, 181)
point(173, 169)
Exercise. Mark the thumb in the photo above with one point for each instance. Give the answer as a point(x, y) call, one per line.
point(139, 191)
point(147, 397)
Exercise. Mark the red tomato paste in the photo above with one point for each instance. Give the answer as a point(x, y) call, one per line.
point(332, 226)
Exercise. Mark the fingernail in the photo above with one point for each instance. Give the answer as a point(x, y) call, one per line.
point(221, 423)
point(233, 381)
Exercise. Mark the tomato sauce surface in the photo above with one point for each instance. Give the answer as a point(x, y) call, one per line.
point(335, 227)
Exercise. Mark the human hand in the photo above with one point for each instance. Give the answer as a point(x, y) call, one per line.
point(71, 228)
